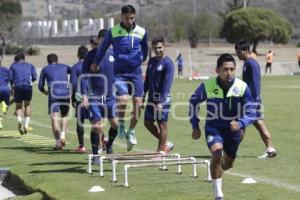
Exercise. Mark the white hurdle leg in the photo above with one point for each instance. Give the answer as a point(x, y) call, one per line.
point(194, 175)
point(90, 156)
point(126, 175)
point(114, 176)
point(179, 171)
point(101, 173)
point(207, 162)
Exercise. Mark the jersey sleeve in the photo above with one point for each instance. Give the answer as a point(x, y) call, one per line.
point(102, 48)
point(168, 80)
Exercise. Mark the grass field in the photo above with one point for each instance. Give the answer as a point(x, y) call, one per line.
point(62, 174)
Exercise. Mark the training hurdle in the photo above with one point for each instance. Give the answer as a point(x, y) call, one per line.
point(195, 162)
point(161, 163)
point(111, 157)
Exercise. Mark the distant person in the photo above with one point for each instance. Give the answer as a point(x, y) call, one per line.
point(4, 91)
point(251, 75)
point(80, 113)
point(58, 92)
point(22, 75)
point(224, 95)
point(298, 59)
point(130, 50)
point(2, 47)
point(269, 60)
point(179, 60)
point(158, 82)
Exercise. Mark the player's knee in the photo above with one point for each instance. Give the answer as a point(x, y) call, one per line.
point(227, 165)
point(217, 153)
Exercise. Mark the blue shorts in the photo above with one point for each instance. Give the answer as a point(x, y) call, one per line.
point(98, 111)
point(58, 105)
point(229, 139)
point(22, 93)
point(4, 95)
point(152, 115)
point(132, 84)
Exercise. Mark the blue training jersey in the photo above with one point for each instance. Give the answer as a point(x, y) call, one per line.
point(130, 48)
point(100, 83)
point(251, 75)
point(22, 73)
point(222, 106)
point(159, 78)
point(56, 76)
point(4, 77)
point(75, 73)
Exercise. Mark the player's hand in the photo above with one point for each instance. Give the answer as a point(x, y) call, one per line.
point(85, 101)
point(196, 134)
point(234, 126)
point(159, 107)
point(94, 68)
point(46, 92)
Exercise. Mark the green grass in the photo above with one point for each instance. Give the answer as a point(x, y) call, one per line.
point(62, 174)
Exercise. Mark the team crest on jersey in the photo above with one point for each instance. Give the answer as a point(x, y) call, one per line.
point(209, 139)
point(235, 91)
point(159, 68)
point(111, 58)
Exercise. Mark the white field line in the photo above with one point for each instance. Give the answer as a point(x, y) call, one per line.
point(283, 86)
point(273, 182)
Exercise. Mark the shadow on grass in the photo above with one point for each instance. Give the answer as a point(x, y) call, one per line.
point(58, 163)
point(77, 169)
point(41, 150)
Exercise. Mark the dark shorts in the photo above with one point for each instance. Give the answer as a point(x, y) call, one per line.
point(229, 139)
point(258, 113)
point(152, 115)
point(58, 105)
point(132, 84)
point(22, 93)
point(4, 95)
point(81, 112)
point(98, 111)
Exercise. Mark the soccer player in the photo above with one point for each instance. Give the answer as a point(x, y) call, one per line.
point(179, 60)
point(58, 92)
point(4, 91)
point(230, 109)
point(22, 75)
point(269, 60)
point(252, 76)
point(158, 82)
point(82, 113)
point(98, 96)
point(130, 50)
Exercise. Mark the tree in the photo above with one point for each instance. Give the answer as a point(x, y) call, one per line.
point(10, 15)
point(255, 25)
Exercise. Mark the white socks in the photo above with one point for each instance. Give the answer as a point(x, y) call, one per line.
point(19, 118)
point(62, 135)
point(217, 185)
point(26, 122)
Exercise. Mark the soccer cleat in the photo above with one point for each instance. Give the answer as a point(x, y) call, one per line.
point(219, 198)
point(25, 130)
point(104, 142)
point(20, 128)
point(269, 153)
point(100, 150)
point(63, 142)
point(131, 140)
point(57, 147)
point(168, 147)
point(121, 130)
point(80, 149)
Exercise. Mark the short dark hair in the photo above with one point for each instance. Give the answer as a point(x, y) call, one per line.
point(157, 39)
point(82, 51)
point(102, 33)
point(19, 56)
point(52, 58)
point(242, 44)
point(128, 9)
point(226, 57)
